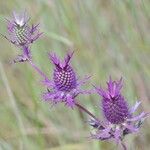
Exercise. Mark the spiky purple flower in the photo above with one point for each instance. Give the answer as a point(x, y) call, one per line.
point(119, 118)
point(64, 76)
point(114, 106)
point(65, 86)
point(20, 33)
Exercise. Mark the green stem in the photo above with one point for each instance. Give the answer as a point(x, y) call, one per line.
point(85, 110)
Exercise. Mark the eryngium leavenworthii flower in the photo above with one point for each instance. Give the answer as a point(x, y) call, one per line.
point(119, 118)
point(20, 33)
point(64, 87)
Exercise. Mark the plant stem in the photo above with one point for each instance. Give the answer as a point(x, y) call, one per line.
point(123, 146)
point(38, 70)
point(85, 110)
point(77, 104)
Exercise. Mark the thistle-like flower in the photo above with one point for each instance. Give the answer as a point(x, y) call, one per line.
point(119, 118)
point(21, 34)
point(65, 86)
point(19, 31)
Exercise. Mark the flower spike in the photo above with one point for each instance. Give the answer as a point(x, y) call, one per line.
point(64, 86)
point(21, 34)
point(119, 119)
point(19, 31)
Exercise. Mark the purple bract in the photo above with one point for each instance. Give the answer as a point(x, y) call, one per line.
point(25, 56)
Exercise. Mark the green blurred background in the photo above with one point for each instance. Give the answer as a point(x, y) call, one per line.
point(110, 37)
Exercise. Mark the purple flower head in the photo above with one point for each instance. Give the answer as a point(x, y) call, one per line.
point(64, 76)
point(20, 33)
point(114, 106)
point(119, 118)
point(64, 87)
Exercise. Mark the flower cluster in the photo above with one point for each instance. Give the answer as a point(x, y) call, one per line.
point(64, 87)
point(119, 118)
point(21, 34)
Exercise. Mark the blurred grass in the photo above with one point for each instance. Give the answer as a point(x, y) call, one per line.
point(109, 38)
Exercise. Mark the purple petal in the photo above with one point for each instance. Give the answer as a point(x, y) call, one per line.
point(119, 84)
point(110, 84)
point(83, 81)
point(80, 91)
point(54, 58)
point(68, 57)
point(114, 87)
point(10, 26)
point(48, 83)
point(104, 133)
point(48, 96)
point(131, 127)
point(142, 115)
point(70, 101)
point(36, 37)
point(117, 134)
point(66, 60)
point(34, 28)
point(134, 108)
point(113, 90)
point(53, 97)
point(100, 91)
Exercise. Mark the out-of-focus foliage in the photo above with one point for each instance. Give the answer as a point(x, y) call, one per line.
point(109, 38)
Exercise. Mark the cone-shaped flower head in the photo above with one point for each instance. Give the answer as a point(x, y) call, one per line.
point(21, 34)
point(64, 76)
point(119, 118)
point(65, 86)
point(114, 106)
point(19, 31)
